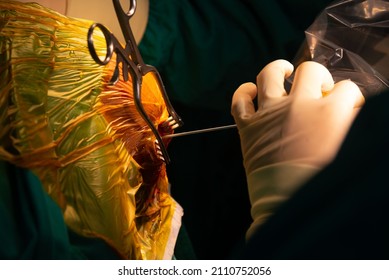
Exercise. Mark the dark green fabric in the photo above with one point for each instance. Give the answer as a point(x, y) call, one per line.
point(204, 50)
point(32, 225)
point(184, 247)
point(342, 213)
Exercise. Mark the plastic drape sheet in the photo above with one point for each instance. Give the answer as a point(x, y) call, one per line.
point(93, 153)
point(351, 38)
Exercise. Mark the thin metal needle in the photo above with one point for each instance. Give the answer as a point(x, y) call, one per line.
point(199, 131)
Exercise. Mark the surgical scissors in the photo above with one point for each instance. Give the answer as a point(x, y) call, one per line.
point(133, 64)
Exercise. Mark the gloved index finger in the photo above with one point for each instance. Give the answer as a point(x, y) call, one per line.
point(311, 80)
point(270, 80)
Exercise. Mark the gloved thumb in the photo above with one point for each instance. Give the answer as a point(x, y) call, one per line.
point(242, 107)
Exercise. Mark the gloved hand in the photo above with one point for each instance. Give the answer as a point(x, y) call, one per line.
point(291, 136)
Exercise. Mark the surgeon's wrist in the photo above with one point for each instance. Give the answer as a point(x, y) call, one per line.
point(272, 185)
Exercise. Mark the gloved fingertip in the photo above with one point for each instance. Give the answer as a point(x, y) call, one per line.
point(242, 101)
point(285, 66)
point(328, 83)
point(312, 79)
point(249, 89)
point(271, 80)
point(359, 98)
point(348, 89)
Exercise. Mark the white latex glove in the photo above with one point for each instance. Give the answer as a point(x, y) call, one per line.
point(290, 137)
